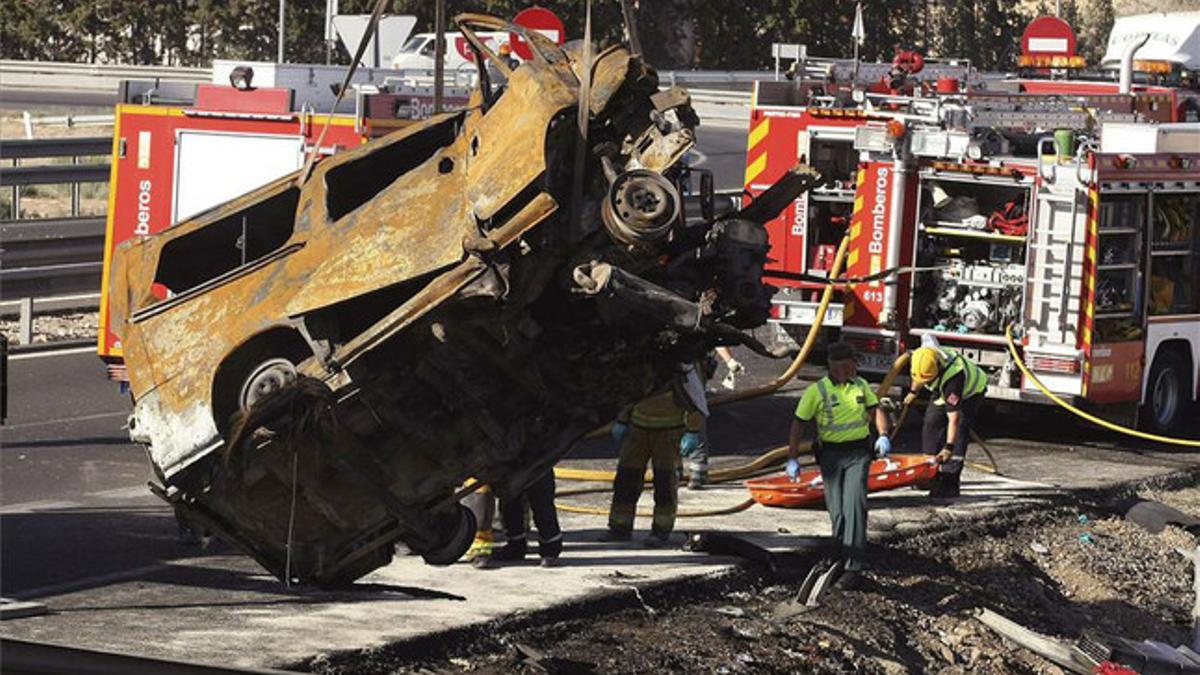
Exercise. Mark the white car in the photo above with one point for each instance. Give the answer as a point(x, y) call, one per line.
point(417, 53)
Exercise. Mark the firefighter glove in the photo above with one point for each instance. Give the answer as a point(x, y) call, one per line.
point(690, 443)
point(619, 431)
point(883, 446)
point(793, 468)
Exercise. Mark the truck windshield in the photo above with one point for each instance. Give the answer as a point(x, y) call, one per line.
point(413, 45)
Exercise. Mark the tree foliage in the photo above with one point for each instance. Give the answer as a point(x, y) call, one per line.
point(709, 34)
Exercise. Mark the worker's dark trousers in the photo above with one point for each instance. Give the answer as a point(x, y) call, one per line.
point(844, 469)
point(933, 437)
point(539, 497)
point(658, 448)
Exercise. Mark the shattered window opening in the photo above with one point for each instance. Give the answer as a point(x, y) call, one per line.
point(231, 242)
point(354, 183)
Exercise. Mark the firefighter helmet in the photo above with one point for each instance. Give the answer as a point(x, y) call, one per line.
point(925, 365)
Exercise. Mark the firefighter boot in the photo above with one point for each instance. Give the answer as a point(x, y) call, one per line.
point(514, 549)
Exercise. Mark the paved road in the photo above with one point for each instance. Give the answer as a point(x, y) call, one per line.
point(42, 99)
point(74, 506)
point(722, 150)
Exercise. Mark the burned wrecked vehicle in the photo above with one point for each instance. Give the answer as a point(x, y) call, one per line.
point(319, 365)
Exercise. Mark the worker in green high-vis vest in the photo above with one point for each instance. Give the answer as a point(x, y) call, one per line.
point(835, 412)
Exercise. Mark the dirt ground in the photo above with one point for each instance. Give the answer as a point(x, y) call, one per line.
point(1060, 572)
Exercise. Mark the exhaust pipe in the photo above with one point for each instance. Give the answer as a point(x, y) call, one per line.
point(1126, 82)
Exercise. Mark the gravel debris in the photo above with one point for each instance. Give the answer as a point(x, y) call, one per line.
point(55, 327)
point(915, 616)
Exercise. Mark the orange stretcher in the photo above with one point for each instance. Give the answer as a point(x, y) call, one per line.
point(886, 474)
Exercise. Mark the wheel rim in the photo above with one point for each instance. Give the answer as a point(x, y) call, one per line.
point(1166, 397)
point(268, 378)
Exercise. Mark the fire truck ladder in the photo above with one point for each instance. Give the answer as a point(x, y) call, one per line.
point(1055, 270)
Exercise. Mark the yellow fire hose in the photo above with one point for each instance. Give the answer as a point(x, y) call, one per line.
point(1012, 349)
point(763, 464)
point(766, 461)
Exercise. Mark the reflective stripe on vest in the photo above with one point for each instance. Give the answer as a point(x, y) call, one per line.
point(848, 426)
point(974, 383)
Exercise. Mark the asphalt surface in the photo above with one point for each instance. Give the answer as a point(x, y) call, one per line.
point(44, 101)
point(74, 507)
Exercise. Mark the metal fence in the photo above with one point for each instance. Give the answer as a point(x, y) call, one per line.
point(50, 263)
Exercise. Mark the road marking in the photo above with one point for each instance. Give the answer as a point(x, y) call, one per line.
point(54, 352)
point(43, 505)
point(62, 420)
point(697, 157)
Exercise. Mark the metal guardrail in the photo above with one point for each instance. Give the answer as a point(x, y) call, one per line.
point(20, 176)
point(56, 147)
point(96, 77)
point(58, 261)
point(89, 77)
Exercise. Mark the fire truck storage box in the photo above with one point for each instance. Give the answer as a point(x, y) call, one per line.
point(1149, 138)
point(313, 85)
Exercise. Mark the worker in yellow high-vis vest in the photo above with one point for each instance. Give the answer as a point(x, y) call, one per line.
point(656, 432)
point(835, 413)
point(958, 387)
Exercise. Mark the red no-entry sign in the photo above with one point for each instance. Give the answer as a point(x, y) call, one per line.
point(536, 19)
point(1048, 36)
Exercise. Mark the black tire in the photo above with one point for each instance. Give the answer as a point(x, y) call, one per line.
point(1168, 394)
point(458, 543)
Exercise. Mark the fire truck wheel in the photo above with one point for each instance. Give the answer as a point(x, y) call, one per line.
point(1167, 398)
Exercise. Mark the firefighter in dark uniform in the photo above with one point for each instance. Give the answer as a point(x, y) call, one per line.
point(958, 387)
point(837, 411)
point(655, 432)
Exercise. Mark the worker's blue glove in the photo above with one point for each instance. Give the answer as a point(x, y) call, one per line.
point(619, 431)
point(690, 443)
point(793, 468)
point(883, 446)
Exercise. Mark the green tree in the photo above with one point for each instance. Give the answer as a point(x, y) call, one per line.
point(1093, 29)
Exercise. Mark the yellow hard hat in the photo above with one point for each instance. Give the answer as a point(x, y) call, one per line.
point(924, 365)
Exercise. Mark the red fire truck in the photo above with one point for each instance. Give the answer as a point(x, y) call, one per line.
point(1090, 255)
point(1087, 254)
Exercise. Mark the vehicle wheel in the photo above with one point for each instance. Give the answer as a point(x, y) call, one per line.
point(457, 545)
point(265, 379)
point(1168, 393)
